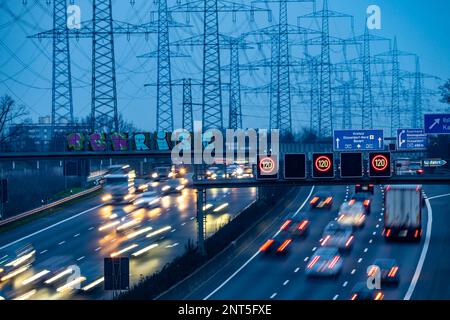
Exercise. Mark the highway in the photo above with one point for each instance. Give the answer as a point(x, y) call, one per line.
point(422, 266)
point(82, 234)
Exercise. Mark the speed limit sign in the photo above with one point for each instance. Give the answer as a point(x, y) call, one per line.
point(267, 167)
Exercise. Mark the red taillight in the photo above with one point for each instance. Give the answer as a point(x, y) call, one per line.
point(393, 272)
point(284, 245)
point(313, 262)
point(416, 233)
point(358, 185)
point(388, 188)
point(349, 241)
point(333, 262)
point(302, 225)
point(371, 185)
point(314, 200)
point(372, 271)
point(266, 245)
point(285, 224)
point(328, 200)
point(351, 202)
point(354, 296)
point(388, 233)
point(366, 203)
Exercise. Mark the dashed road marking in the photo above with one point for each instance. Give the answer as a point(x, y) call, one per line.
point(306, 259)
point(335, 297)
point(80, 258)
point(273, 295)
point(359, 260)
point(43, 251)
point(353, 271)
point(345, 284)
point(62, 242)
point(98, 248)
point(365, 250)
point(286, 282)
point(296, 270)
point(76, 235)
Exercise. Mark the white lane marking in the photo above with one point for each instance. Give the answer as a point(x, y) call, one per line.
point(296, 270)
point(192, 218)
point(286, 282)
point(254, 256)
point(273, 295)
point(359, 260)
point(365, 250)
point(314, 249)
point(370, 241)
point(439, 196)
point(304, 202)
point(423, 255)
point(62, 242)
point(91, 228)
point(377, 226)
point(345, 284)
point(50, 227)
point(183, 223)
point(173, 230)
point(353, 271)
point(374, 233)
point(76, 235)
point(98, 248)
point(306, 259)
point(80, 258)
point(43, 251)
point(335, 297)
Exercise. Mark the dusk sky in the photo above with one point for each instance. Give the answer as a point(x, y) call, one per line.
point(421, 27)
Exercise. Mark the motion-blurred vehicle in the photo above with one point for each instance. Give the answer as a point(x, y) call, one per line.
point(361, 292)
point(214, 173)
point(118, 188)
point(326, 262)
point(295, 227)
point(321, 200)
point(388, 268)
point(337, 235)
point(279, 245)
point(161, 173)
point(363, 198)
point(364, 188)
point(21, 263)
point(149, 199)
point(406, 166)
point(352, 214)
point(403, 212)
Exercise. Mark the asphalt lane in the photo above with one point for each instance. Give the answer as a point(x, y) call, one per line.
point(284, 278)
point(74, 237)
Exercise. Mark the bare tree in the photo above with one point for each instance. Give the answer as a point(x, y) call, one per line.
point(9, 112)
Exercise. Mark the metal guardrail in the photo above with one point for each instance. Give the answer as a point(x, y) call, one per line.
point(48, 206)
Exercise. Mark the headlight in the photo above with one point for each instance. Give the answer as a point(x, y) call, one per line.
point(154, 175)
point(106, 197)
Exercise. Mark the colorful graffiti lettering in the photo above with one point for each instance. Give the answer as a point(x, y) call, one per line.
point(119, 141)
point(97, 141)
point(75, 141)
point(140, 140)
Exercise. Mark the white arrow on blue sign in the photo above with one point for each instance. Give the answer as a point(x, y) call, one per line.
point(411, 139)
point(360, 140)
point(437, 123)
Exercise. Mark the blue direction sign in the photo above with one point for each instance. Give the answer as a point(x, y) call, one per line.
point(411, 139)
point(363, 140)
point(437, 123)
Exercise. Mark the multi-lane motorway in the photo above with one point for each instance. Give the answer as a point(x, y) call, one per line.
point(423, 266)
point(81, 235)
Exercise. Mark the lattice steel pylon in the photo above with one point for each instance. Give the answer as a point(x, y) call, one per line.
point(187, 122)
point(284, 95)
point(62, 100)
point(325, 107)
point(314, 95)
point(417, 100)
point(395, 90)
point(104, 115)
point(212, 87)
point(367, 99)
point(164, 118)
point(235, 117)
point(346, 107)
point(274, 85)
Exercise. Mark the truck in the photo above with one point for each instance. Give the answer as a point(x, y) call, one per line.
point(403, 212)
point(118, 188)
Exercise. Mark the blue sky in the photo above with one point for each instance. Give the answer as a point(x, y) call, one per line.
point(25, 64)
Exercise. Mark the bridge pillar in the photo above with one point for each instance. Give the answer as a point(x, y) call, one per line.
point(201, 220)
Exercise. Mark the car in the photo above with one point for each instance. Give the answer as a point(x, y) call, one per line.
point(295, 227)
point(363, 198)
point(364, 188)
point(326, 262)
point(389, 270)
point(149, 199)
point(321, 200)
point(278, 245)
point(337, 235)
point(361, 292)
point(352, 214)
